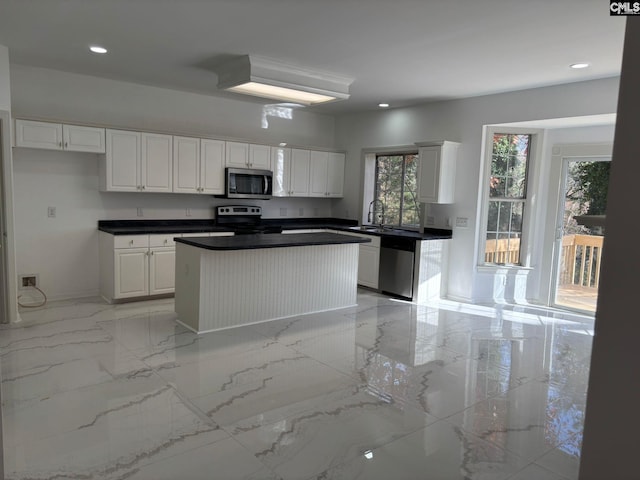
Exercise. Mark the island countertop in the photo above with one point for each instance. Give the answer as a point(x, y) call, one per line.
point(272, 240)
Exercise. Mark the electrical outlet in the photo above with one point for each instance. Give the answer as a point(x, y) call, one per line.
point(188, 212)
point(301, 211)
point(448, 222)
point(139, 212)
point(51, 212)
point(462, 222)
point(27, 280)
point(431, 220)
point(315, 211)
point(283, 212)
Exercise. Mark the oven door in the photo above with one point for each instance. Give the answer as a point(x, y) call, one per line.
point(246, 183)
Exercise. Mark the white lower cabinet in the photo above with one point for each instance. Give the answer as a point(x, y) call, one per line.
point(131, 272)
point(162, 275)
point(368, 259)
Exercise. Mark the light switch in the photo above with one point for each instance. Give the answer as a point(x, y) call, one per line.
point(51, 212)
point(462, 222)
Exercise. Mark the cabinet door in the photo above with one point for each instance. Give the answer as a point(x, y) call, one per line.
point(212, 167)
point(157, 162)
point(186, 164)
point(162, 265)
point(318, 174)
point(123, 161)
point(131, 272)
point(260, 157)
point(437, 172)
point(237, 154)
point(368, 266)
point(299, 179)
point(83, 139)
point(281, 165)
point(335, 175)
point(38, 135)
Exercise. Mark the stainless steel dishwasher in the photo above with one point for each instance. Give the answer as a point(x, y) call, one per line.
point(396, 265)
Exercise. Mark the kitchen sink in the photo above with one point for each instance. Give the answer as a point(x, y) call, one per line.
point(372, 228)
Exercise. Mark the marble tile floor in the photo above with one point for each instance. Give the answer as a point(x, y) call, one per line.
point(383, 390)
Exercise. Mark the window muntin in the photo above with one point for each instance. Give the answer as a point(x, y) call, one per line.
point(396, 188)
point(507, 197)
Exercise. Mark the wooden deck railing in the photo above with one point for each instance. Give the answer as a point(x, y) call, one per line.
point(580, 262)
point(503, 251)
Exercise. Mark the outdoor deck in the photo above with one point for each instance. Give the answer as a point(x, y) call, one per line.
point(579, 268)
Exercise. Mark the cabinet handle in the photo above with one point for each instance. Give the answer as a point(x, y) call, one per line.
point(60, 144)
point(151, 253)
point(131, 242)
point(142, 187)
point(66, 144)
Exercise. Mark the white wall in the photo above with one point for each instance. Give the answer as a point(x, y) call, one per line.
point(63, 251)
point(5, 80)
point(463, 121)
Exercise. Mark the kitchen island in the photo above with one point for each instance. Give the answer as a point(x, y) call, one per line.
point(224, 282)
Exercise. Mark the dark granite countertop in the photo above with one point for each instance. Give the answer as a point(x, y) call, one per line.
point(273, 240)
point(141, 227)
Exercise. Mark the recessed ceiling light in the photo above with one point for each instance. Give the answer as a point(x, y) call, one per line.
point(97, 49)
point(579, 65)
point(383, 105)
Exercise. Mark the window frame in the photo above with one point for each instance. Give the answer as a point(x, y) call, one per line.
point(403, 154)
point(535, 147)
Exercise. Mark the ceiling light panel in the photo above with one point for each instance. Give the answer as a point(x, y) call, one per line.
point(268, 78)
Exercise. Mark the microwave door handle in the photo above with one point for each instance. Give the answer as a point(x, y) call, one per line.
point(266, 184)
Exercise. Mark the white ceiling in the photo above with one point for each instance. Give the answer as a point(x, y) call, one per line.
point(403, 52)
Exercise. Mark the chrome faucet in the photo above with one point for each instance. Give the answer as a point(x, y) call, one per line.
point(372, 206)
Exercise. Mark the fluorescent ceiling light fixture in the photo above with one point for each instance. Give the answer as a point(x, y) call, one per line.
point(579, 65)
point(368, 454)
point(97, 49)
point(383, 105)
point(266, 78)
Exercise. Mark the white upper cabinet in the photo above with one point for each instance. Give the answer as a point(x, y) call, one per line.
point(237, 155)
point(56, 136)
point(318, 174)
point(260, 157)
point(335, 175)
point(281, 164)
point(157, 162)
point(299, 173)
point(186, 165)
point(437, 171)
point(137, 162)
point(212, 154)
point(120, 172)
point(198, 165)
point(245, 155)
point(326, 174)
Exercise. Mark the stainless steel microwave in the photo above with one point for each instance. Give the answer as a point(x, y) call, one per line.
point(248, 183)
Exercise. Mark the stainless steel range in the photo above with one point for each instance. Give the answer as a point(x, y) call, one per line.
point(244, 220)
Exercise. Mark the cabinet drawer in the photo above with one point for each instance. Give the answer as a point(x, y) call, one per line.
point(166, 240)
point(375, 240)
point(130, 241)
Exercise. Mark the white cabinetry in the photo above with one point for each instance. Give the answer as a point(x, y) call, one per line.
point(137, 162)
point(437, 171)
point(290, 172)
point(326, 176)
point(198, 165)
point(368, 259)
point(307, 173)
point(57, 136)
point(139, 265)
point(156, 169)
point(245, 155)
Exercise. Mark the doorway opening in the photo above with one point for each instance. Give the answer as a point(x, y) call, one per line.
point(580, 232)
